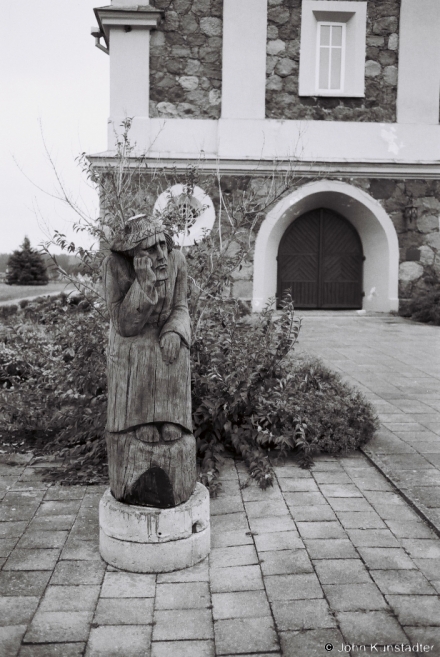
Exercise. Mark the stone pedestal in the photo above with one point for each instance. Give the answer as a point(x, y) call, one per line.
point(144, 539)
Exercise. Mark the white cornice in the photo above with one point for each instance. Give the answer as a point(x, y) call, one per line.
point(139, 16)
point(255, 168)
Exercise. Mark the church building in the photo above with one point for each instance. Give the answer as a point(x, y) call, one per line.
point(347, 90)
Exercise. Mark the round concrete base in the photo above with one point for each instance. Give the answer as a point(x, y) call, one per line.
point(144, 539)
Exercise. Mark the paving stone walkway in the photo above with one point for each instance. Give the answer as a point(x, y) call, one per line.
point(328, 556)
point(331, 556)
point(396, 363)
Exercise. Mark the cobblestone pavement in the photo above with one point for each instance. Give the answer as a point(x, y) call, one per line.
point(396, 363)
point(331, 556)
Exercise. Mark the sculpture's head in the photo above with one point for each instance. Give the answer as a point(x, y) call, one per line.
point(155, 247)
point(144, 236)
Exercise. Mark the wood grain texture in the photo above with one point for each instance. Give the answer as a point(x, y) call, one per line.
point(142, 388)
point(130, 458)
point(151, 450)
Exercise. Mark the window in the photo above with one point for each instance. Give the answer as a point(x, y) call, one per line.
point(333, 48)
point(196, 213)
point(330, 58)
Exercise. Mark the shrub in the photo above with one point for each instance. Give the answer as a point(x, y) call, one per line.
point(251, 397)
point(52, 371)
point(424, 304)
point(235, 365)
point(425, 307)
point(336, 417)
point(8, 310)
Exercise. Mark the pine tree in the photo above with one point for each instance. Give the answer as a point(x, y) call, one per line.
point(26, 267)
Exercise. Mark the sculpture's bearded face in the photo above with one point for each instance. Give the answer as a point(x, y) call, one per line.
point(155, 247)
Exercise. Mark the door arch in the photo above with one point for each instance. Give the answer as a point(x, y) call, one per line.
point(320, 262)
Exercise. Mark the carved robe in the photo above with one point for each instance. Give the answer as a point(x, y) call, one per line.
point(142, 388)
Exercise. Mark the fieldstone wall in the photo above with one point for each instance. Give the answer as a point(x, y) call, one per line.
point(419, 240)
point(283, 46)
point(186, 59)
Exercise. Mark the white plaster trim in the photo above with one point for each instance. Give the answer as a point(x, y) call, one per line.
point(375, 228)
point(129, 18)
point(129, 4)
point(254, 168)
point(108, 18)
point(419, 62)
point(204, 222)
point(354, 15)
point(298, 141)
point(244, 59)
point(129, 74)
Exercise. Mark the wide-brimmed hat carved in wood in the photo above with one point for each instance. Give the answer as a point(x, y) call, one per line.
point(136, 230)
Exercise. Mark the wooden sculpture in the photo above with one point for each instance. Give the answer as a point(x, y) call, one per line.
point(151, 449)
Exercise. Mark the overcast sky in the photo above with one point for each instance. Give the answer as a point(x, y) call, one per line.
point(50, 73)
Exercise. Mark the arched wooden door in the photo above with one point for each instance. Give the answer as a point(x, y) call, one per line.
point(320, 262)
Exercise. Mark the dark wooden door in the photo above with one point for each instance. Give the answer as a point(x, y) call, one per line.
point(320, 262)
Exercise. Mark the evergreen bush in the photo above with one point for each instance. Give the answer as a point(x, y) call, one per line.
point(26, 267)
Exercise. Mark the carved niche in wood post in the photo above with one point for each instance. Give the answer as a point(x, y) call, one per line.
point(151, 449)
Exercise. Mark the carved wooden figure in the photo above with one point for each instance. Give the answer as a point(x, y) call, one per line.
point(151, 449)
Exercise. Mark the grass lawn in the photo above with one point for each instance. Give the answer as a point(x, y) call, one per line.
point(13, 292)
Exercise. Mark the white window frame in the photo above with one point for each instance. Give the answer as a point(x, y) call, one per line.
point(354, 17)
point(329, 90)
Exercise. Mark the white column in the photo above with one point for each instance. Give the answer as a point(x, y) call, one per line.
point(244, 59)
point(419, 62)
point(129, 72)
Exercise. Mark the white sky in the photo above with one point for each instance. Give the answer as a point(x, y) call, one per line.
point(50, 72)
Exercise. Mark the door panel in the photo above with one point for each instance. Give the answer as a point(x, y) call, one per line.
point(320, 261)
point(298, 260)
point(342, 263)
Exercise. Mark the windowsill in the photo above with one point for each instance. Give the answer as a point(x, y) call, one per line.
point(332, 94)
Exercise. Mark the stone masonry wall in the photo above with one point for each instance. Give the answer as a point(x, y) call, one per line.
point(419, 240)
point(186, 59)
point(283, 46)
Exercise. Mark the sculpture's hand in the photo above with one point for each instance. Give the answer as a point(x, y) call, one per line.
point(144, 271)
point(170, 345)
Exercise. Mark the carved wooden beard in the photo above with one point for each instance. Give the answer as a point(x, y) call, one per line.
point(161, 271)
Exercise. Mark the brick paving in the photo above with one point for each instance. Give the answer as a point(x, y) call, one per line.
point(312, 561)
point(332, 555)
point(396, 364)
